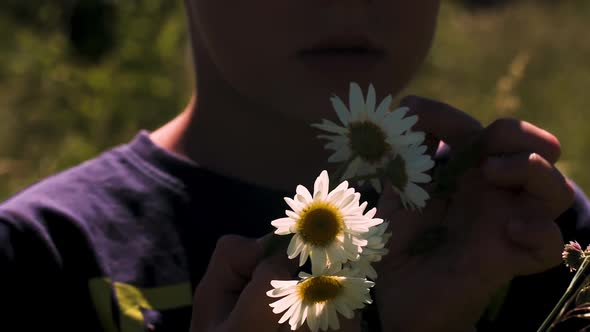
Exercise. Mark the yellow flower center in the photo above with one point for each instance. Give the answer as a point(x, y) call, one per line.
point(320, 223)
point(395, 170)
point(368, 141)
point(319, 289)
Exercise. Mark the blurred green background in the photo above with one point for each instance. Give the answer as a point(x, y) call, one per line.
point(80, 76)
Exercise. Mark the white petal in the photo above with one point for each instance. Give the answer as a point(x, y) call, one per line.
point(304, 193)
point(289, 313)
point(283, 231)
point(283, 283)
point(324, 321)
point(293, 204)
point(343, 309)
point(340, 109)
point(284, 303)
point(303, 317)
point(420, 178)
point(383, 106)
point(340, 155)
point(356, 102)
point(410, 138)
point(318, 261)
point(341, 186)
point(397, 127)
point(371, 99)
point(330, 127)
point(349, 198)
point(333, 138)
point(312, 321)
point(333, 317)
point(335, 254)
point(421, 165)
point(352, 168)
point(304, 255)
point(360, 208)
point(350, 250)
point(296, 317)
point(336, 196)
point(421, 149)
point(371, 213)
point(282, 222)
point(399, 112)
point(418, 195)
point(295, 246)
point(356, 220)
point(321, 186)
point(292, 214)
point(335, 145)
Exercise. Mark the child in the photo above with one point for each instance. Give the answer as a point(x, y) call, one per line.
point(120, 242)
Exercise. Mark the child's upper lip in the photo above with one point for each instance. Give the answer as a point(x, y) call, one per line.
point(343, 42)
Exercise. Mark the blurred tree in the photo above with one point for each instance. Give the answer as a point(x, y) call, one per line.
point(26, 12)
point(479, 4)
point(91, 28)
point(79, 76)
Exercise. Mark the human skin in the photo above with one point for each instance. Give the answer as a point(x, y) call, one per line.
point(232, 294)
point(268, 96)
point(499, 224)
point(256, 95)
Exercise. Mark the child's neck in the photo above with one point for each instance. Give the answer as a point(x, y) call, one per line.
point(223, 132)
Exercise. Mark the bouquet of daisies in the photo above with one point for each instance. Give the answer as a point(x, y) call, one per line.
point(332, 228)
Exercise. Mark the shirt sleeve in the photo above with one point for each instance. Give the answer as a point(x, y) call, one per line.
point(28, 282)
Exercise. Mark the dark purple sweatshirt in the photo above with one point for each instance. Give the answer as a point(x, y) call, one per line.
point(119, 242)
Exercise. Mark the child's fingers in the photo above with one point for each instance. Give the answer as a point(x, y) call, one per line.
point(536, 176)
point(442, 121)
point(230, 269)
point(252, 308)
point(538, 244)
point(513, 136)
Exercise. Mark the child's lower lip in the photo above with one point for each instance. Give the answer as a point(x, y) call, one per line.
point(339, 62)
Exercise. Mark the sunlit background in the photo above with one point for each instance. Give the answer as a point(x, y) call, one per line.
point(80, 76)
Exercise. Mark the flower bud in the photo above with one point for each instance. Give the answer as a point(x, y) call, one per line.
point(573, 255)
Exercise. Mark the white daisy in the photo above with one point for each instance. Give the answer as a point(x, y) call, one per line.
point(328, 226)
point(319, 299)
point(372, 252)
point(406, 170)
point(368, 136)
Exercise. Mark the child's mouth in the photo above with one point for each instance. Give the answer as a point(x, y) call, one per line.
point(339, 59)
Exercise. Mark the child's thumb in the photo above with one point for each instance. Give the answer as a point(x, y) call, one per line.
point(252, 308)
point(230, 269)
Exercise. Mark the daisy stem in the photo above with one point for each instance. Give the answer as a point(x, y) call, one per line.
point(574, 287)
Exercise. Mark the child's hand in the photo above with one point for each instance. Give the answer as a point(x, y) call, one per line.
point(499, 223)
point(232, 294)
